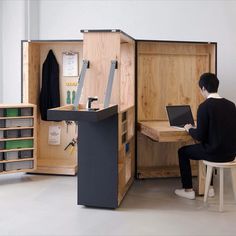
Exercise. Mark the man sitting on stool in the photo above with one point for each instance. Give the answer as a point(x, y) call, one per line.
point(216, 132)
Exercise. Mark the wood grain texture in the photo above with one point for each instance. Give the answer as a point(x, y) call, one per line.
point(31, 73)
point(51, 159)
point(100, 49)
point(126, 168)
point(127, 66)
point(201, 177)
point(156, 154)
point(162, 171)
point(161, 131)
point(58, 49)
point(168, 74)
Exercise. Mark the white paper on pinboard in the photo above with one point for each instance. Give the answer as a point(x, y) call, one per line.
point(54, 135)
point(70, 64)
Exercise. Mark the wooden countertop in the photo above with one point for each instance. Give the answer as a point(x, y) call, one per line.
point(161, 131)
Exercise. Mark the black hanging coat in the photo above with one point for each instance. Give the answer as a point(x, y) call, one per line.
point(50, 91)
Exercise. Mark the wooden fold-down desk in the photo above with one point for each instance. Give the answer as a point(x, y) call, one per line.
point(160, 131)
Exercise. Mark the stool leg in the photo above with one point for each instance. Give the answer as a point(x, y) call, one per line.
point(208, 180)
point(221, 188)
point(233, 179)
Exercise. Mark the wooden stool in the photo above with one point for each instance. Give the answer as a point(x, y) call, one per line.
point(221, 166)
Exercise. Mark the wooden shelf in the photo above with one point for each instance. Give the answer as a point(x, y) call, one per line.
point(15, 171)
point(16, 128)
point(11, 139)
point(56, 166)
point(16, 149)
point(15, 117)
point(17, 160)
point(20, 105)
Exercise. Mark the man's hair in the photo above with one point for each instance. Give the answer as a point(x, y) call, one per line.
point(210, 82)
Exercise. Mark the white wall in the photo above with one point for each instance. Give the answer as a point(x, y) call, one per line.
point(20, 19)
point(13, 30)
point(168, 20)
point(32, 19)
point(142, 19)
point(1, 75)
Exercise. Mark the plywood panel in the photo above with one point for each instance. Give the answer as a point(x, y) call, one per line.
point(126, 126)
point(168, 73)
point(100, 49)
point(51, 159)
point(160, 131)
point(127, 75)
point(126, 169)
point(174, 48)
point(168, 80)
point(31, 72)
point(212, 56)
point(58, 49)
point(163, 171)
point(154, 154)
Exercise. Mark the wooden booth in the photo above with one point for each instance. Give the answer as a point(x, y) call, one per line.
point(51, 159)
point(167, 74)
point(106, 133)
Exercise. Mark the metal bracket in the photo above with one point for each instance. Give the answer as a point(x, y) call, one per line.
point(114, 66)
point(80, 83)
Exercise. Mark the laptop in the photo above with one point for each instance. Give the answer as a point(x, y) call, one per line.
point(179, 115)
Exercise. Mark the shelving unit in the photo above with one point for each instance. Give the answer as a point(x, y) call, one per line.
point(18, 138)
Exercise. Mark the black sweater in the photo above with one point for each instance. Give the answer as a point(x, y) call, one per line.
point(216, 128)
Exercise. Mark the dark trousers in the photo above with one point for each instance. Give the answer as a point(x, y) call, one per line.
point(187, 153)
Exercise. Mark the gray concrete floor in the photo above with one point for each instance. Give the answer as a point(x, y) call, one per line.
point(46, 205)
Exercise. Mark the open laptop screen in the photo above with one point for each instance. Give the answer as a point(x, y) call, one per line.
point(179, 115)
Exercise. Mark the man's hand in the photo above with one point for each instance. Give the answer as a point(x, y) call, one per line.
point(187, 127)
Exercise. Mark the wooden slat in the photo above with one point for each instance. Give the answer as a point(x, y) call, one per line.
point(12, 139)
point(201, 177)
point(16, 150)
point(127, 76)
point(56, 166)
point(20, 105)
point(15, 171)
point(15, 117)
point(18, 160)
point(16, 128)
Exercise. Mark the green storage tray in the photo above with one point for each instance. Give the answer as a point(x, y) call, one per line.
point(11, 112)
point(14, 144)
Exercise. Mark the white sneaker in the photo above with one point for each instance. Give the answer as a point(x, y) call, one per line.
point(211, 192)
point(183, 193)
